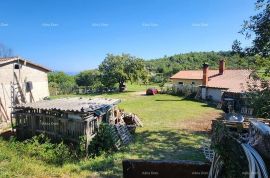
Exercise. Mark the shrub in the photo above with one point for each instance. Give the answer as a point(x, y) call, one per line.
point(186, 91)
point(103, 141)
point(230, 151)
point(259, 98)
point(41, 148)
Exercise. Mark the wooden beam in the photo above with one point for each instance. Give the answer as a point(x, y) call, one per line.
point(23, 99)
point(3, 110)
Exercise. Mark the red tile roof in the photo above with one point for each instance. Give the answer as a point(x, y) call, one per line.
point(232, 80)
point(192, 74)
point(3, 61)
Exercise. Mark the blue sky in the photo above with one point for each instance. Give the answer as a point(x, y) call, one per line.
point(73, 35)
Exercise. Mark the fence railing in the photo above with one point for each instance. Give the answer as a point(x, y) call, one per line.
point(56, 127)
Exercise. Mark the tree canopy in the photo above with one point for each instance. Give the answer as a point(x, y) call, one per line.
point(117, 69)
point(88, 78)
point(61, 80)
point(169, 65)
point(258, 27)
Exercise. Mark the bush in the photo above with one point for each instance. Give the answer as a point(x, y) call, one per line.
point(259, 98)
point(61, 83)
point(186, 91)
point(230, 151)
point(103, 141)
point(40, 147)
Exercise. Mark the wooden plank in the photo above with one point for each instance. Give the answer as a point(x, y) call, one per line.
point(3, 110)
point(19, 88)
point(123, 133)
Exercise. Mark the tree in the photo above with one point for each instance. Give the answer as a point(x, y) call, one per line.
point(259, 98)
point(64, 82)
point(117, 69)
point(236, 47)
point(88, 78)
point(5, 51)
point(258, 26)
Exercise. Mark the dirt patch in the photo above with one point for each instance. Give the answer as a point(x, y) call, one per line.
point(7, 134)
point(201, 124)
point(139, 93)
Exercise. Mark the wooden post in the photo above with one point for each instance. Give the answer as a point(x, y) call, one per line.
point(87, 136)
point(33, 124)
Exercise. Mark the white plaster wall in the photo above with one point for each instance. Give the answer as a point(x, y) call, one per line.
point(215, 93)
point(203, 94)
point(27, 73)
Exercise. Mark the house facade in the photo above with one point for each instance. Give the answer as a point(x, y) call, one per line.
point(213, 83)
point(21, 81)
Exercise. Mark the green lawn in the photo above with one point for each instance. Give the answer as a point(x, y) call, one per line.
point(168, 133)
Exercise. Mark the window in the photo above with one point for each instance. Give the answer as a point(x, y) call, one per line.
point(180, 83)
point(192, 83)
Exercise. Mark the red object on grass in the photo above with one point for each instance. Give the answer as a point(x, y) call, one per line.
point(151, 91)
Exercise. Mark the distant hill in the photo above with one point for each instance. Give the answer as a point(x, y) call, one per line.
point(72, 73)
point(169, 65)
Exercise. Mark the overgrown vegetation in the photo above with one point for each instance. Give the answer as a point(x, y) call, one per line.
point(231, 152)
point(61, 83)
point(41, 148)
point(259, 98)
point(103, 141)
point(89, 78)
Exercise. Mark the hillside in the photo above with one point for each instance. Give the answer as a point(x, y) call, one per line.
point(169, 65)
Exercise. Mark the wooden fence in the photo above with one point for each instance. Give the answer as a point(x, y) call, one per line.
point(55, 124)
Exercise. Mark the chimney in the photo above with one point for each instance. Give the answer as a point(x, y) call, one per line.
point(205, 74)
point(221, 66)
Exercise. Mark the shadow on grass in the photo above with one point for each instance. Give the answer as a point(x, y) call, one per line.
point(106, 167)
point(210, 104)
point(152, 145)
point(168, 100)
point(6, 135)
point(168, 145)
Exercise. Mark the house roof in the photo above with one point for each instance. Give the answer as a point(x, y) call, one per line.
point(7, 60)
point(72, 104)
point(192, 74)
point(231, 80)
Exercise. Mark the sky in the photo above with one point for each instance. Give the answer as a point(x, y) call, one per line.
point(75, 35)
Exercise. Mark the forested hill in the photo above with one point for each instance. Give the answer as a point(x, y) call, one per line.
point(169, 65)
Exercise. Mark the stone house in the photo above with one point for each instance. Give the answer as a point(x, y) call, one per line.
point(21, 81)
point(211, 84)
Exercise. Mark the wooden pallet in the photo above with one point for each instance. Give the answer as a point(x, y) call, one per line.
point(115, 137)
point(138, 121)
point(124, 134)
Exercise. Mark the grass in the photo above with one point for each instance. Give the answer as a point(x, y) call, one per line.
point(174, 129)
